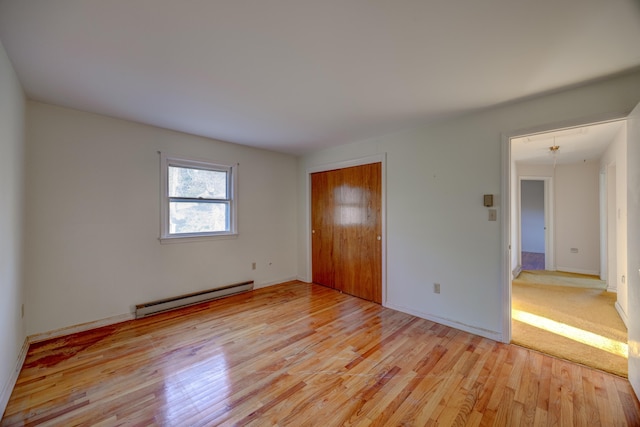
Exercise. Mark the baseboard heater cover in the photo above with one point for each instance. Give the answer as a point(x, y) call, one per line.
point(162, 305)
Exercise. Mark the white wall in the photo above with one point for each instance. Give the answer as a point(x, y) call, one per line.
point(12, 326)
point(633, 246)
point(577, 217)
point(92, 223)
point(532, 214)
point(437, 227)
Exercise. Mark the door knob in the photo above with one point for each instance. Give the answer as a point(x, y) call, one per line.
point(379, 238)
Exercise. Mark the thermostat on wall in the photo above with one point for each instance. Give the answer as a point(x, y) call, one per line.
point(488, 200)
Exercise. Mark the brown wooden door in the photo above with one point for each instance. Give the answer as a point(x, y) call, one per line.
point(322, 243)
point(346, 230)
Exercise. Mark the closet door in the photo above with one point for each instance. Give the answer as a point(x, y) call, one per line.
point(322, 211)
point(346, 230)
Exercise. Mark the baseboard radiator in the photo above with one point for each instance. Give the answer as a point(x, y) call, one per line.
point(162, 305)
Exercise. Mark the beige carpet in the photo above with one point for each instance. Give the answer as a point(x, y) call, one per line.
point(547, 306)
point(560, 278)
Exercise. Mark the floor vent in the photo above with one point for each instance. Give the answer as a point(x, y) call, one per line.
point(162, 305)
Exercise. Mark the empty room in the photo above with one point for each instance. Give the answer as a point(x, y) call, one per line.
point(298, 213)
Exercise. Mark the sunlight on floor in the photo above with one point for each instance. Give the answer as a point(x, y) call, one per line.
point(585, 337)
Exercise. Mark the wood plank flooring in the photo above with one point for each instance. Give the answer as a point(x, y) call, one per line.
point(298, 354)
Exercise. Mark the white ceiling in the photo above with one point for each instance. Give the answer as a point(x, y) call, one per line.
point(297, 75)
point(576, 145)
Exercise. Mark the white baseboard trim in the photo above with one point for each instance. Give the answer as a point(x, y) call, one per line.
point(80, 328)
point(516, 271)
point(303, 279)
point(486, 333)
point(622, 314)
point(115, 319)
point(274, 282)
point(7, 389)
point(578, 271)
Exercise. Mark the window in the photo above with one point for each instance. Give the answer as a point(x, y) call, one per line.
point(198, 199)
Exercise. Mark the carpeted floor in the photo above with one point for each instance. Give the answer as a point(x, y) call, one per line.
point(560, 278)
point(532, 261)
point(549, 306)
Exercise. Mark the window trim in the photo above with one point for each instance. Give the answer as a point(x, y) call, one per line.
point(232, 169)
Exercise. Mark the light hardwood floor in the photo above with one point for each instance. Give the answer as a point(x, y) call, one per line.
point(299, 354)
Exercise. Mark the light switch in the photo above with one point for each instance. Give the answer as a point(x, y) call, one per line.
point(493, 214)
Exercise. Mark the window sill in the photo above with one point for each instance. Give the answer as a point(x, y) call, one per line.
point(186, 239)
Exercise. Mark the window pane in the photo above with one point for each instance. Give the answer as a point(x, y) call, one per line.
point(198, 217)
point(197, 183)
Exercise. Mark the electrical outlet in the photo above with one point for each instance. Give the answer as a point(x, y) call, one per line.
point(253, 265)
point(436, 288)
point(22, 311)
point(574, 250)
point(493, 215)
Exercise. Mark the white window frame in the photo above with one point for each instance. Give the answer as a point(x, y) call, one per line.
point(232, 169)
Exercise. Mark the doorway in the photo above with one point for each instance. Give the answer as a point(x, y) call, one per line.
point(569, 313)
point(346, 230)
point(532, 224)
